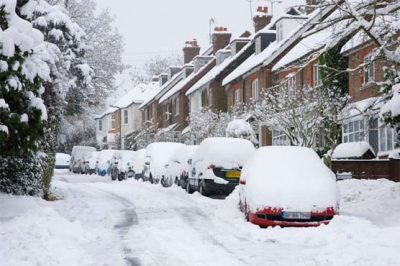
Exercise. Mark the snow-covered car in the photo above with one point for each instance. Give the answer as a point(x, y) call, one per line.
point(91, 162)
point(157, 155)
point(79, 156)
point(217, 164)
point(103, 162)
point(287, 186)
point(139, 163)
point(122, 165)
point(62, 161)
point(178, 166)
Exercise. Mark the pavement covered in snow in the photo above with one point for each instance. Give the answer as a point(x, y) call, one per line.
point(98, 222)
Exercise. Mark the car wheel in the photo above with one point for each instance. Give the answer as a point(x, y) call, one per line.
point(189, 190)
point(246, 212)
point(151, 178)
point(121, 176)
point(202, 188)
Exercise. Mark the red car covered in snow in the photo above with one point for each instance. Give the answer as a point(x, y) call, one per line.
point(287, 186)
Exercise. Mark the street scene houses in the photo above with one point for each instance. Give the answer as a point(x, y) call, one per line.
point(284, 51)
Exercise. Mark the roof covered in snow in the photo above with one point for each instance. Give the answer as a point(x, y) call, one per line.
point(110, 110)
point(218, 69)
point(137, 94)
point(352, 150)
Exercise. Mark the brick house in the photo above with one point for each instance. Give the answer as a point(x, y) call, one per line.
point(174, 103)
point(361, 121)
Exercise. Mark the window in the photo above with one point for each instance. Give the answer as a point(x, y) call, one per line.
point(237, 96)
point(113, 121)
point(254, 90)
point(177, 106)
point(369, 70)
point(292, 84)
point(168, 111)
point(258, 45)
point(279, 138)
point(317, 76)
point(126, 118)
point(210, 97)
point(354, 131)
point(386, 138)
point(100, 125)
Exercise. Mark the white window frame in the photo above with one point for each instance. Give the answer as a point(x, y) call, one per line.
point(317, 75)
point(255, 90)
point(354, 130)
point(125, 113)
point(113, 121)
point(369, 70)
point(279, 138)
point(100, 125)
point(210, 96)
point(291, 83)
point(168, 112)
point(177, 106)
point(386, 138)
point(237, 96)
point(279, 32)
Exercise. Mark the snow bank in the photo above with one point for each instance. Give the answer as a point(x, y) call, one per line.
point(32, 233)
point(351, 150)
point(292, 178)
point(223, 152)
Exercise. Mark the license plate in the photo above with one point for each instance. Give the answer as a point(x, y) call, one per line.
point(232, 174)
point(296, 215)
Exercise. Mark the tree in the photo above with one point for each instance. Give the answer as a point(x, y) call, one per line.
point(299, 113)
point(22, 111)
point(377, 20)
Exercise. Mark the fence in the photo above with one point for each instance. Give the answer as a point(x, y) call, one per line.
point(369, 169)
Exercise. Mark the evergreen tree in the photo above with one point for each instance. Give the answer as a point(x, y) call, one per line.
point(22, 112)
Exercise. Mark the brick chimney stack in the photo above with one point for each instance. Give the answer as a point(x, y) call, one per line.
point(221, 38)
point(262, 18)
point(190, 51)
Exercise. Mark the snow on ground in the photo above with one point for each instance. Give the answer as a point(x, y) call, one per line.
point(98, 222)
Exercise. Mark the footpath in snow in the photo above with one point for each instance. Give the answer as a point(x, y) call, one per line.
point(98, 222)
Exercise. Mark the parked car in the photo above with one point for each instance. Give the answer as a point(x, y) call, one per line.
point(62, 161)
point(121, 165)
point(103, 162)
point(217, 164)
point(139, 163)
point(287, 186)
point(79, 156)
point(157, 154)
point(178, 166)
point(91, 162)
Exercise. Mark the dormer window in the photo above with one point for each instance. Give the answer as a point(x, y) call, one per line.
point(254, 90)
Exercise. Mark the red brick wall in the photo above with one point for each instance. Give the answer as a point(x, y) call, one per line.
point(357, 89)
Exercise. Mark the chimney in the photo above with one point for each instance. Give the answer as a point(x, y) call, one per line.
point(311, 5)
point(221, 38)
point(163, 79)
point(262, 18)
point(190, 51)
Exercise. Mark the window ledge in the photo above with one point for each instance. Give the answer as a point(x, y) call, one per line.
point(368, 85)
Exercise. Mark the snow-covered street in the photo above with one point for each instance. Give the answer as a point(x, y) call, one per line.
point(134, 223)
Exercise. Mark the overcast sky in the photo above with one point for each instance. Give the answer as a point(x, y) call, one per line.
point(161, 27)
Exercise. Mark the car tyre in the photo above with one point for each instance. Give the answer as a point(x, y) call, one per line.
point(202, 188)
point(189, 190)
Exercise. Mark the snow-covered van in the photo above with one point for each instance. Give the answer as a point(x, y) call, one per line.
point(287, 186)
point(79, 156)
point(217, 165)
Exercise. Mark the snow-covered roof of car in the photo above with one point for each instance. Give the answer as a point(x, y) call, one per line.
point(224, 152)
point(288, 177)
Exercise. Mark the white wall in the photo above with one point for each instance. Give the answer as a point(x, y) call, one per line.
point(134, 121)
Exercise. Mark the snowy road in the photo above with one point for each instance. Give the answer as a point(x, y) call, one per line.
point(135, 223)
